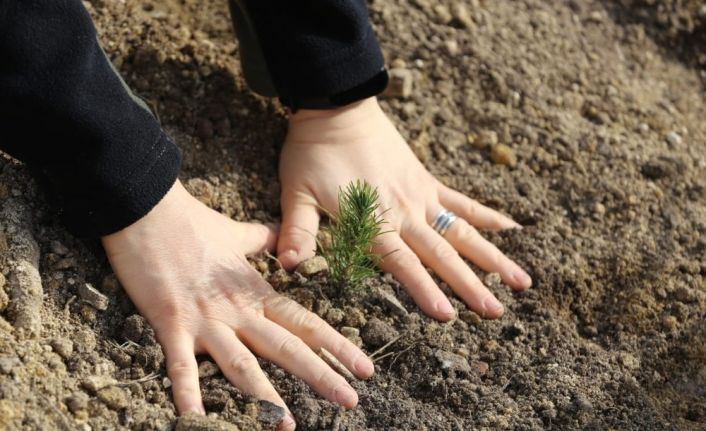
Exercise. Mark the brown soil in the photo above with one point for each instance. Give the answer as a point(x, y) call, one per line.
point(601, 103)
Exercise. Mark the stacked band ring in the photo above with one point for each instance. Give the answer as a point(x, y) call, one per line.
point(443, 221)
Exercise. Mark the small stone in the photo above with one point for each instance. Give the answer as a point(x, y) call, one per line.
point(462, 15)
point(401, 83)
point(348, 331)
point(207, 369)
point(684, 294)
point(643, 128)
point(503, 155)
point(65, 263)
point(599, 209)
point(485, 139)
point(93, 297)
point(95, 383)
point(670, 323)
point(451, 361)
point(392, 303)
point(492, 279)
point(64, 347)
point(442, 12)
point(312, 266)
point(113, 397)
point(377, 333)
point(269, 414)
point(451, 47)
point(673, 138)
point(166, 383)
point(195, 422)
point(77, 402)
point(7, 363)
point(470, 317)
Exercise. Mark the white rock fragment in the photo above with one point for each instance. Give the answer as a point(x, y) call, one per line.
point(674, 138)
point(312, 266)
point(91, 296)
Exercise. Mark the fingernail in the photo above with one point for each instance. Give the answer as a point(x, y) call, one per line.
point(346, 396)
point(492, 306)
point(444, 307)
point(522, 278)
point(288, 254)
point(364, 366)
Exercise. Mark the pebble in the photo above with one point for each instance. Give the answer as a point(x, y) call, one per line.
point(481, 367)
point(452, 361)
point(93, 297)
point(166, 383)
point(670, 323)
point(673, 138)
point(207, 369)
point(312, 266)
point(269, 414)
point(460, 13)
point(334, 316)
point(113, 397)
point(485, 139)
point(377, 333)
point(503, 155)
point(470, 317)
point(599, 209)
point(63, 346)
point(392, 303)
point(95, 383)
point(401, 83)
point(348, 331)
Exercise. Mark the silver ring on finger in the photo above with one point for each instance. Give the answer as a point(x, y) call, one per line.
point(443, 221)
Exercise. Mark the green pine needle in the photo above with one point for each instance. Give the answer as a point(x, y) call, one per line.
point(353, 232)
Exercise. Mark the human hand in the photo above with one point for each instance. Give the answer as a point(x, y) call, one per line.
point(184, 267)
point(325, 150)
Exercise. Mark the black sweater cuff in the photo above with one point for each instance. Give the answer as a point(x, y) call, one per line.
point(316, 48)
point(67, 113)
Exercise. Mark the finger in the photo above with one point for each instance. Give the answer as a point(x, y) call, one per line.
point(316, 333)
point(472, 211)
point(470, 243)
point(240, 366)
point(183, 372)
point(439, 255)
point(278, 345)
point(255, 238)
point(400, 261)
point(297, 238)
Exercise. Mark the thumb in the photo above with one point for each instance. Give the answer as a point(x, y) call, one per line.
point(297, 238)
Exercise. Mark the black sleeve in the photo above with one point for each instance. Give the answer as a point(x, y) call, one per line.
point(316, 48)
point(66, 112)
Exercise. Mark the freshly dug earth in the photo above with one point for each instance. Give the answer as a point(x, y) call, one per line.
point(584, 120)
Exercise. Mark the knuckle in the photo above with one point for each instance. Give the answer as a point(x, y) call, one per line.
point(405, 260)
point(467, 233)
point(180, 368)
point(291, 346)
point(310, 323)
point(242, 364)
point(443, 251)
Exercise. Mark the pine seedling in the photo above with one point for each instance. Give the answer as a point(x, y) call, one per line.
point(353, 231)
